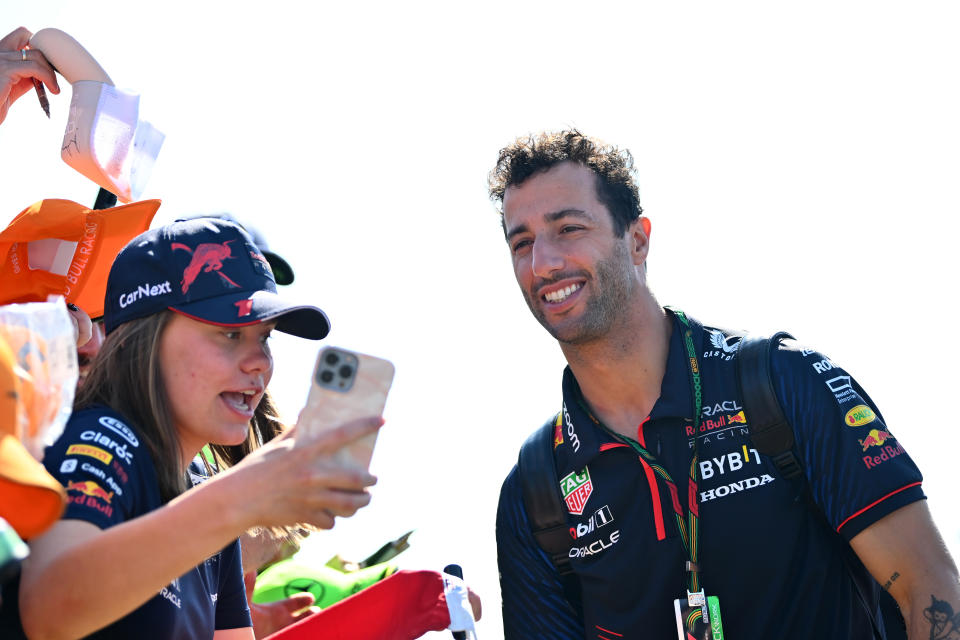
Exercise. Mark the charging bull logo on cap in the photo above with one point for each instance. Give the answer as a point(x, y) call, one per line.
point(207, 257)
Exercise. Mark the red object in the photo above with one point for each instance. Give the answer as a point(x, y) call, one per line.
point(404, 606)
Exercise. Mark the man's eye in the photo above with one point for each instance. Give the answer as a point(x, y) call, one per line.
point(567, 228)
point(231, 335)
point(521, 244)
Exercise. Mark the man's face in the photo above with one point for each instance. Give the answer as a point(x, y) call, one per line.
point(575, 276)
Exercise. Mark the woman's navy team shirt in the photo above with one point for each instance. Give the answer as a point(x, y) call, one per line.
point(109, 476)
point(778, 565)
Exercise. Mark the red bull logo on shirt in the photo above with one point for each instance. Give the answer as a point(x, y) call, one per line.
point(91, 495)
point(558, 431)
point(576, 489)
point(859, 416)
point(875, 438)
point(738, 417)
point(887, 451)
point(90, 488)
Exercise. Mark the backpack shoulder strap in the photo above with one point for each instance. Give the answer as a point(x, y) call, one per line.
point(541, 499)
point(541, 496)
point(770, 432)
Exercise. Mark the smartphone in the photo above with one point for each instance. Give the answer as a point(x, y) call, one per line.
point(346, 385)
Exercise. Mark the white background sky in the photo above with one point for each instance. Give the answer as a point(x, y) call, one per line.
point(799, 164)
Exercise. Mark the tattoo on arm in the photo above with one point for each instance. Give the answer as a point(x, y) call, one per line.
point(889, 583)
point(944, 623)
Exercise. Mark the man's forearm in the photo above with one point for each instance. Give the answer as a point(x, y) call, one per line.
point(935, 616)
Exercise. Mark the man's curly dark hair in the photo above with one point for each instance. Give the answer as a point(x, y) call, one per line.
point(613, 168)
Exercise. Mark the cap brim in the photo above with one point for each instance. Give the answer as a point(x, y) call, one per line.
point(244, 309)
point(282, 271)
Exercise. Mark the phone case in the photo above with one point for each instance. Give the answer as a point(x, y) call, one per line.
point(346, 385)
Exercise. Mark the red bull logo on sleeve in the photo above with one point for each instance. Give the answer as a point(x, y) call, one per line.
point(859, 416)
point(875, 438)
point(90, 488)
point(576, 489)
point(558, 431)
point(91, 495)
point(887, 452)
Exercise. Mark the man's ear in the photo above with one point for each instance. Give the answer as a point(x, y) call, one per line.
point(639, 234)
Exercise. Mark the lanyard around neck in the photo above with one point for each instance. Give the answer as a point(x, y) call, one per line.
point(688, 524)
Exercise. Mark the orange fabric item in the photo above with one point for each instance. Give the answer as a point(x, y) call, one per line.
point(30, 498)
point(404, 606)
point(36, 395)
point(60, 247)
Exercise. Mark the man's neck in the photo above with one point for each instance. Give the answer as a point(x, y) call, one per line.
point(620, 375)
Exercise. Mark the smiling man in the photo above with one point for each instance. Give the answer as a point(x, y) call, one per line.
point(669, 513)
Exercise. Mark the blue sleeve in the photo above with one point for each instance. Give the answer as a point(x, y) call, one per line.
point(233, 612)
point(534, 605)
point(857, 471)
point(107, 472)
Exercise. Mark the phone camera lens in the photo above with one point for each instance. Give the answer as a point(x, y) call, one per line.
point(346, 371)
point(326, 376)
point(332, 359)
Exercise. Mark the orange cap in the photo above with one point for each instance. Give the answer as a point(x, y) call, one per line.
point(30, 498)
point(60, 247)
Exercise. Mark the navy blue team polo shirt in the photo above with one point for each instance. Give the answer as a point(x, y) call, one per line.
point(109, 475)
point(781, 567)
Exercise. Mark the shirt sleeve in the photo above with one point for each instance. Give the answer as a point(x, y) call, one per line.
point(856, 469)
point(233, 612)
point(101, 463)
point(534, 605)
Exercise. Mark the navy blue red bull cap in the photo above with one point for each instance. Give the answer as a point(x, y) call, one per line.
point(207, 269)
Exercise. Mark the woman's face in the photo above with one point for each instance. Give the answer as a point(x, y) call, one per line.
point(214, 377)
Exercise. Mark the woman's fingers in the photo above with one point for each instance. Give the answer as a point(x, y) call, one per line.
point(82, 325)
point(339, 503)
point(28, 64)
point(16, 39)
point(346, 433)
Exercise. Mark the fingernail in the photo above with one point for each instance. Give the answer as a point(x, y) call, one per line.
point(72, 307)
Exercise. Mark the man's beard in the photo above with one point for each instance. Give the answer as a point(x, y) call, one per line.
point(610, 289)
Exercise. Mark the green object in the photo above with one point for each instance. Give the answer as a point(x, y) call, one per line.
point(12, 551)
point(328, 586)
point(716, 624)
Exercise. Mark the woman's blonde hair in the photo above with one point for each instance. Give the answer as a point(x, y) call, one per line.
point(126, 377)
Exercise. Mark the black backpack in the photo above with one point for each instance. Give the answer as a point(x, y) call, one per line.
point(770, 433)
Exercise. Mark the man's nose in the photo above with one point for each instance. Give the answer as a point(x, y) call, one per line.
point(547, 258)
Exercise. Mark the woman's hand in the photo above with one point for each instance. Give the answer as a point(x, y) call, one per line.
point(19, 68)
point(82, 325)
point(282, 484)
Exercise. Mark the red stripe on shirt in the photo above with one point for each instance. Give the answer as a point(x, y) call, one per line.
point(640, 438)
point(606, 446)
point(875, 503)
point(619, 635)
point(655, 495)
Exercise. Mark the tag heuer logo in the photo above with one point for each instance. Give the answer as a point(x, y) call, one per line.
point(576, 489)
